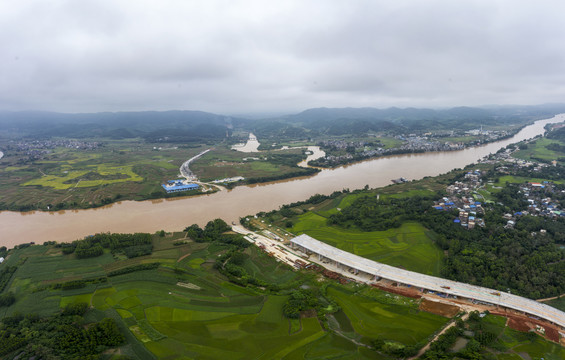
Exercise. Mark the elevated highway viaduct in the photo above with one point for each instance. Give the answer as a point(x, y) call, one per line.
point(375, 271)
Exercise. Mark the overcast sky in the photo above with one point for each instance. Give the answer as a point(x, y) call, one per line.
point(236, 57)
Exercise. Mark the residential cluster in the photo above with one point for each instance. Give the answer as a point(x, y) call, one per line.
point(539, 202)
point(422, 143)
point(37, 149)
point(358, 150)
point(460, 198)
point(51, 144)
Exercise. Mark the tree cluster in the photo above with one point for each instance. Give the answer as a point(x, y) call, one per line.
point(63, 336)
point(131, 245)
point(494, 257)
point(292, 174)
point(369, 214)
point(78, 284)
point(7, 299)
point(6, 275)
point(480, 338)
point(133, 268)
point(299, 301)
point(215, 230)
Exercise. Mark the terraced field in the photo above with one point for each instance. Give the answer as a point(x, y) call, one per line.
point(372, 317)
point(186, 309)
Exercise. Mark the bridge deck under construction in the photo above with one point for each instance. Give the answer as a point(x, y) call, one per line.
point(308, 245)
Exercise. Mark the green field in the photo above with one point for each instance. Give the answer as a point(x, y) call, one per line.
point(186, 309)
point(409, 246)
point(373, 318)
point(80, 178)
point(223, 162)
point(520, 180)
point(68, 178)
point(538, 150)
point(205, 316)
point(125, 170)
point(509, 343)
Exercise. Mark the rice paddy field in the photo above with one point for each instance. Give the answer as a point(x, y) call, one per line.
point(122, 170)
point(75, 178)
point(185, 309)
point(371, 313)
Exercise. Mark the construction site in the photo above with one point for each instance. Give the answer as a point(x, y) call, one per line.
point(523, 314)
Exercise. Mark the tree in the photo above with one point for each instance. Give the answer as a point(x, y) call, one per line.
point(7, 299)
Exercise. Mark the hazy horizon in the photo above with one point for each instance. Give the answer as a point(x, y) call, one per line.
point(273, 114)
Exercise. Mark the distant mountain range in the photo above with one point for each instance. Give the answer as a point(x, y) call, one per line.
point(191, 126)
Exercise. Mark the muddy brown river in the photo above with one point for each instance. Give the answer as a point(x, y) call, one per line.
point(176, 214)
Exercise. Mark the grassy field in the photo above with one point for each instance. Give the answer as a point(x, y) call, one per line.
point(122, 170)
point(370, 317)
point(195, 313)
point(538, 150)
point(520, 180)
point(410, 246)
point(224, 162)
point(69, 178)
point(510, 343)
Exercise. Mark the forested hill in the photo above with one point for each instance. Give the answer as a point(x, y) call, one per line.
point(152, 125)
point(413, 118)
point(316, 122)
point(199, 126)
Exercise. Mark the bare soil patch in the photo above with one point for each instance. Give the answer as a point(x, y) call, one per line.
point(524, 323)
point(408, 292)
point(308, 314)
point(439, 308)
point(189, 286)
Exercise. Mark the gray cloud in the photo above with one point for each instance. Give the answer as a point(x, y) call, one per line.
point(247, 56)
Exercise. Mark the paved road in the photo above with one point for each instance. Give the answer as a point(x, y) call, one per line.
point(184, 168)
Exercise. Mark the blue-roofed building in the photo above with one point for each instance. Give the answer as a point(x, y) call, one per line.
point(173, 186)
point(457, 221)
point(438, 207)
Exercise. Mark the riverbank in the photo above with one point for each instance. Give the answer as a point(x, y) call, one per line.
point(333, 162)
point(177, 213)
